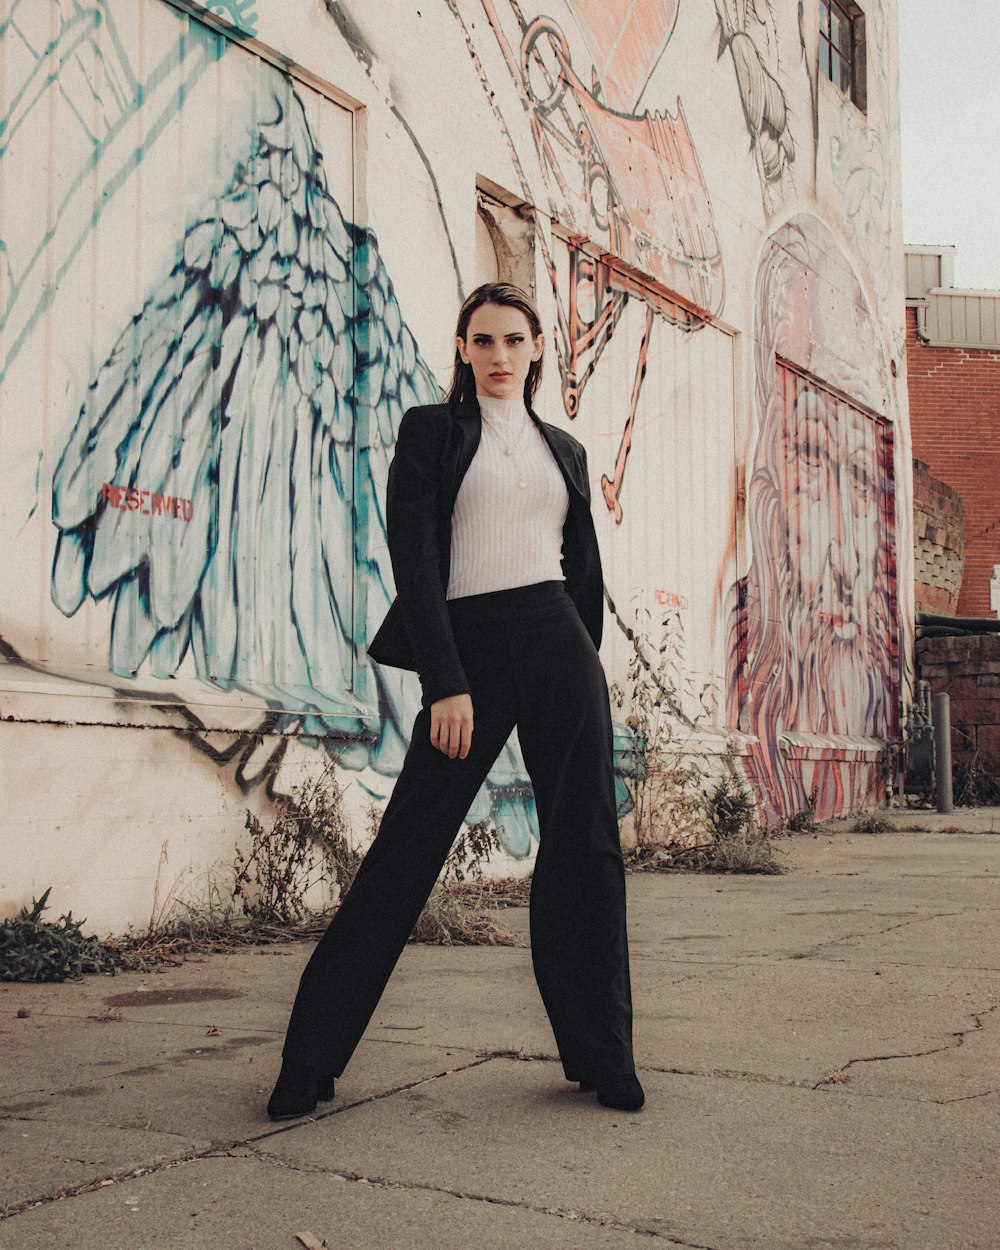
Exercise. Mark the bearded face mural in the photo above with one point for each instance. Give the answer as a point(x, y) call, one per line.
point(815, 670)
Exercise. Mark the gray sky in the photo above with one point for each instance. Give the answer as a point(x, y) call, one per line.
point(949, 53)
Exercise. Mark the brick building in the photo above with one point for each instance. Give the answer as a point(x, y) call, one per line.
point(953, 376)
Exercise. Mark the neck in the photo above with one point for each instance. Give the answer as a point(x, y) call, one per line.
point(494, 409)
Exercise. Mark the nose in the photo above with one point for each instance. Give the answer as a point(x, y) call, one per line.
point(844, 553)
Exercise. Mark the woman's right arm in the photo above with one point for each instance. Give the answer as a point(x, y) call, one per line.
point(413, 508)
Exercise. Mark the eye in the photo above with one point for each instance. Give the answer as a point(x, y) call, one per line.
point(515, 339)
point(809, 451)
point(862, 481)
point(481, 340)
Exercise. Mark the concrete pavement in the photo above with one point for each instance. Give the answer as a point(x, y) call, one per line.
point(820, 1052)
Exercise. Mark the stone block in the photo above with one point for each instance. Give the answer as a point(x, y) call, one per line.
point(965, 652)
point(983, 712)
point(961, 690)
point(988, 741)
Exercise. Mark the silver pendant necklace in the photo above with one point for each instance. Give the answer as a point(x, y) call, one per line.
point(508, 449)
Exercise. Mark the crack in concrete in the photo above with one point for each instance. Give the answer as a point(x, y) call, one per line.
point(578, 1217)
point(873, 933)
point(734, 1074)
point(958, 1039)
point(947, 1102)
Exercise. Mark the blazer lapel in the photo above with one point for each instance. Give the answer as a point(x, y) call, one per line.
point(468, 425)
point(569, 468)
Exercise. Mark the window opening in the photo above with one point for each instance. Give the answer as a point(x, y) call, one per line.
point(842, 48)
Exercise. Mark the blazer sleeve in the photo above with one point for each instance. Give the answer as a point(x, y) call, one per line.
point(581, 553)
point(414, 528)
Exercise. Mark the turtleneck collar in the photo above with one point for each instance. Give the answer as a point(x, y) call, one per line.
point(502, 411)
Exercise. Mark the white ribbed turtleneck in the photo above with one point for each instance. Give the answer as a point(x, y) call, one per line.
point(506, 528)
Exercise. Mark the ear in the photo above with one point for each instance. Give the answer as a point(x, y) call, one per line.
point(539, 347)
point(460, 345)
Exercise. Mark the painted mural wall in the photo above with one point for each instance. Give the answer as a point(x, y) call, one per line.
point(234, 241)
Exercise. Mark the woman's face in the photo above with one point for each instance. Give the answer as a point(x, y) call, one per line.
point(500, 348)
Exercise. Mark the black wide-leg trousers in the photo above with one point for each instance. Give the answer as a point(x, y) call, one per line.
point(530, 664)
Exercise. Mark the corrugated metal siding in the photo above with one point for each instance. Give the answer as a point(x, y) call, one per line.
point(923, 273)
point(963, 320)
point(658, 419)
point(178, 277)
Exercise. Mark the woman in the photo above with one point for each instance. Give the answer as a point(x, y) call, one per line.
point(499, 610)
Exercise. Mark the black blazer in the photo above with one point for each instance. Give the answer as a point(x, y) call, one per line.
point(434, 449)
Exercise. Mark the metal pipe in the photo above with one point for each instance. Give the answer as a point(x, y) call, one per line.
point(958, 624)
point(942, 751)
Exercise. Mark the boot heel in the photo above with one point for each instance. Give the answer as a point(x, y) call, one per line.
point(298, 1090)
point(623, 1093)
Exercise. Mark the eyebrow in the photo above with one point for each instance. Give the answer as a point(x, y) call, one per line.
point(514, 334)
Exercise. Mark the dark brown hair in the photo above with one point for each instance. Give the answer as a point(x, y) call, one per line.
point(463, 382)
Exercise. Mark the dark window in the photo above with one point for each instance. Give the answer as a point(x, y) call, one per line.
point(842, 47)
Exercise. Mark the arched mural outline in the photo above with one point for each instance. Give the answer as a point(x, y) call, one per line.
point(814, 677)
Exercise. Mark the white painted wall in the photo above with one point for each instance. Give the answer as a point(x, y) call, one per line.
point(232, 261)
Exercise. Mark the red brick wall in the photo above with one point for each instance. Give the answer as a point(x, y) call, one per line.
point(955, 421)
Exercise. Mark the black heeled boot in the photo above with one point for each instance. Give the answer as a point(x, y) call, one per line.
point(623, 1093)
point(298, 1090)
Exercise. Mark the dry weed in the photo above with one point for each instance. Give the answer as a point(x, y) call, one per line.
point(495, 892)
point(872, 823)
point(748, 852)
point(450, 920)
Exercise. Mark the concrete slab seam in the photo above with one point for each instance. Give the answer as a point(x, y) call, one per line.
point(361, 1102)
point(384, 1182)
point(217, 1149)
point(102, 1182)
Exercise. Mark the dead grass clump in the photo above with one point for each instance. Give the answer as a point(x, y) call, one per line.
point(495, 892)
point(871, 823)
point(310, 842)
point(749, 852)
point(194, 934)
point(975, 785)
point(449, 919)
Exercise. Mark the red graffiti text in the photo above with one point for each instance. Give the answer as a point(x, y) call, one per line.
point(667, 599)
point(149, 503)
